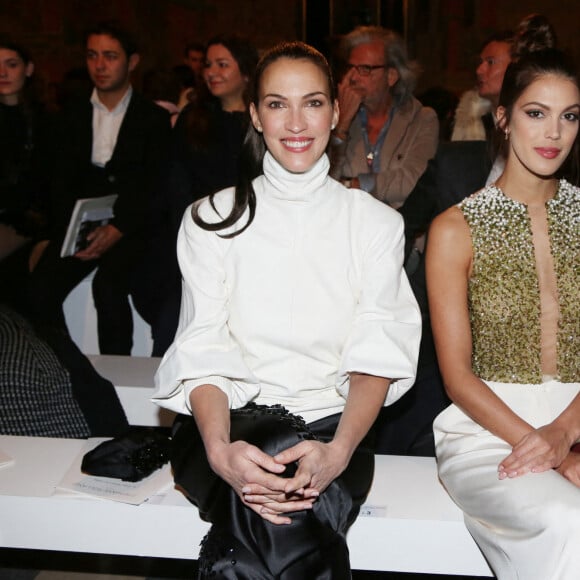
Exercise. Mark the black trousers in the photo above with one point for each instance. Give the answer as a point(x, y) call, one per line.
point(241, 544)
point(55, 277)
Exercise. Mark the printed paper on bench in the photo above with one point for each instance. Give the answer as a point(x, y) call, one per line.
point(109, 488)
point(87, 215)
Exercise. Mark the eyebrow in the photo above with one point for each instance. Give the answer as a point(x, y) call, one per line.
point(105, 52)
point(547, 107)
point(307, 96)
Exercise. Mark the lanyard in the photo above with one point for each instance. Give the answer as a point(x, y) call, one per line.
point(372, 151)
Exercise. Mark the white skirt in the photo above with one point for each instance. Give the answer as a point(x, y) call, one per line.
point(528, 527)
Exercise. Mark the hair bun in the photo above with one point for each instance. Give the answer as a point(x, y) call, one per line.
point(534, 33)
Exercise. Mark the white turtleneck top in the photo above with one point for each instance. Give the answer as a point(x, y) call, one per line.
point(313, 290)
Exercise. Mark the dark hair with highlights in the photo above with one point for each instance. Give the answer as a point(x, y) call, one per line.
point(253, 148)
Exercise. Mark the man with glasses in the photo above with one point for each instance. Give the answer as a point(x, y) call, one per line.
point(384, 137)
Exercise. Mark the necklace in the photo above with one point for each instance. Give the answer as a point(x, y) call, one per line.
point(372, 151)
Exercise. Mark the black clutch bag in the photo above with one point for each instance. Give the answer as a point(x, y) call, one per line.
point(131, 456)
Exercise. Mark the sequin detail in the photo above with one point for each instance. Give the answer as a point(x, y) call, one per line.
point(504, 296)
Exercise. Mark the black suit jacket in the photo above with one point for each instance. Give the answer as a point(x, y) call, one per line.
point(135, 172)
point(459, 169)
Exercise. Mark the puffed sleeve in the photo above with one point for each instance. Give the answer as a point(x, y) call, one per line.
point(204, 352)
point(385, 335)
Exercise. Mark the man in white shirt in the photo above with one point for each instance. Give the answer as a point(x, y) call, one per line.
point(115, 143)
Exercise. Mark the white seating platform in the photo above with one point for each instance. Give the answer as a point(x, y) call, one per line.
point(408, 523)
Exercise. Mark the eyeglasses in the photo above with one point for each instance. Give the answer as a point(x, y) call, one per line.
point(364, 70)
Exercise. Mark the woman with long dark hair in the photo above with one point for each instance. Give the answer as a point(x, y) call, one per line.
point(503, 279)
point(297, 325)
point(22, 127)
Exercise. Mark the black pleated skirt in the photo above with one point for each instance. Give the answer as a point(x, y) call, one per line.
point(241, 544)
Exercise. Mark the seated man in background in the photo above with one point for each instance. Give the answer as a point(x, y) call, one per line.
point(115, 143)
point(384, 137)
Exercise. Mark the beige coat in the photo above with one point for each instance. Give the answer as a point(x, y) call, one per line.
point(410, 142)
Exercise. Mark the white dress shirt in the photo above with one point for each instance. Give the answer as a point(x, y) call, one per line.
point(106, 125)
point(314, 289)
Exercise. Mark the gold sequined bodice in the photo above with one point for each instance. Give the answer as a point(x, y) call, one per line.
point(504, 294)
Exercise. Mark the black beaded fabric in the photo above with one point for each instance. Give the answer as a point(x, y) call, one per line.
point(131, 456)
point(240, 544)
point(36, 393)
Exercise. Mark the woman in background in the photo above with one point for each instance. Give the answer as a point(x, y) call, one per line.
point(208, 138)
point(22, 128)
point(209, 134)
point(297, 325)
point(503, 279)
point(24, 170)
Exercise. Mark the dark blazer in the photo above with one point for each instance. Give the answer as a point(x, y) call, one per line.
point(459, 169)
point(135, 172)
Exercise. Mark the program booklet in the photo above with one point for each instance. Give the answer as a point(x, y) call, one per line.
point(88, 214)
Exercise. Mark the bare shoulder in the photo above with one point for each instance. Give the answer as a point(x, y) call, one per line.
point(450, 226)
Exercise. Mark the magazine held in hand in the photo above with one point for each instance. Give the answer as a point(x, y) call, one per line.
point(88, 214)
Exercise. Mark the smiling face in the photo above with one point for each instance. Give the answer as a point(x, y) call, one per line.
point(13, 74)
point(294, 112)
point(108, 64)
point(223, 77)
point(543, 124)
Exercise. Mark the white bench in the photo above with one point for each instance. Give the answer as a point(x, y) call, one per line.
point(408, 523)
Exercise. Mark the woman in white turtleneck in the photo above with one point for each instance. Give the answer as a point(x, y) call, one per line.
point(297, 324)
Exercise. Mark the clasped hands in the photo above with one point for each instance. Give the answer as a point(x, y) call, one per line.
point(257, 477)
point(100, 240)
point(545, 448)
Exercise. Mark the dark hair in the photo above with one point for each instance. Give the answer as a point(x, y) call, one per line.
point(29, 92)
point(11, 44)
point(198, 116)
point(244, 53)
point(526, 70)
point(506, 36)
point(193, 47)
point(253, 148)
point(534, 33)
point(395, 56)
point(115, 30)
point(161, 85)
point(185, 76)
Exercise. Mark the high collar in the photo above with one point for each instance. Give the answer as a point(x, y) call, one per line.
point(295, 186)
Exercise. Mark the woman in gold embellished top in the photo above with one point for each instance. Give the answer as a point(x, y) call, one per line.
point(503, 272)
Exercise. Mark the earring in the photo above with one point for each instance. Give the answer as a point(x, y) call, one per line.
point(332, 127)
point(259, 128)
point(506, 133)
